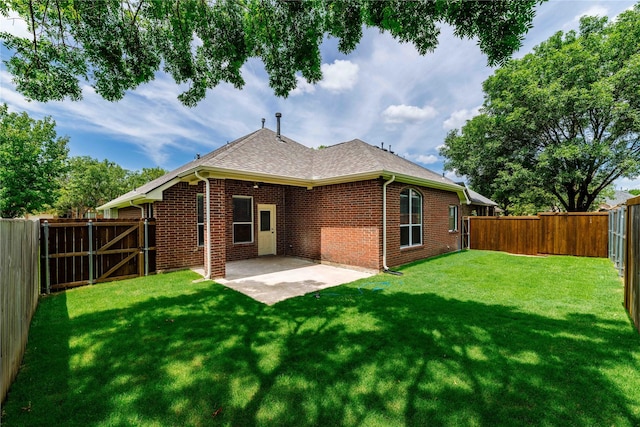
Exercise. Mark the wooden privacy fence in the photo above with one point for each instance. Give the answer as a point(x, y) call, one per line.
point(81, 252)
point(19, 290)
point(632, 261)
point(553, 233)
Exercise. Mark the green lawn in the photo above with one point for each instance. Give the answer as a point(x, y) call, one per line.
point(473, 338)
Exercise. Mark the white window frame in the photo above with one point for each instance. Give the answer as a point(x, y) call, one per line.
point(244, 222)
point(453, 213)
point(410, 225)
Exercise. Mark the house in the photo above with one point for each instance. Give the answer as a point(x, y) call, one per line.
point(478, 205)
point(618, 199)
point(351, 204)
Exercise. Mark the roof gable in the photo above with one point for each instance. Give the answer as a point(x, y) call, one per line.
point(266, 156)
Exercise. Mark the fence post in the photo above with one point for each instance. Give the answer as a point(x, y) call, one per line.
point(90, 225)
point(612, 222)
point(622, 247)
point(47, 268)
point(146, 247)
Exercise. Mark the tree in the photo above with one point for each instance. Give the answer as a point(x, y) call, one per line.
point(32, 158)
point(90, 183)
point(139, 178)
point(558, 126)
point(635, 192)
point(117, 45)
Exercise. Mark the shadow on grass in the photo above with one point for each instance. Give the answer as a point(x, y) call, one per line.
point(216, 357)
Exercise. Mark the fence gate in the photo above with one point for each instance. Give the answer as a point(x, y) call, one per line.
point(82, 252)
point(466, 223)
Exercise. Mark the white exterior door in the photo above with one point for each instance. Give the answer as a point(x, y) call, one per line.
point(266, 229)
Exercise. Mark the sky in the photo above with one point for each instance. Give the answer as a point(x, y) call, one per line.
point(383, 92)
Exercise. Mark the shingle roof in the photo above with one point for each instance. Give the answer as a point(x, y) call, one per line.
point(479, 199)
point(357, 157)
point(619, 198)
point(266, 155)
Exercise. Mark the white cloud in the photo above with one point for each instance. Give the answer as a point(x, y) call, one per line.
point(457, 119)
point(408, 113)
point(453, 176)
point(339, 76)
point(302, 87)
point(595, 10)
point(424, 159)
point(14, 25)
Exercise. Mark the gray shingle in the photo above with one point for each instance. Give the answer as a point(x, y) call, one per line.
point(264, 153)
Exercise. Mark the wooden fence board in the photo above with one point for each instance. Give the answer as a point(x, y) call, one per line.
point(507, 234)
point(19, 285)
point(77, 253)
point(632, 262)
point(579, 234)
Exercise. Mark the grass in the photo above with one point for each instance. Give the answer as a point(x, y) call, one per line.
point(474, 339)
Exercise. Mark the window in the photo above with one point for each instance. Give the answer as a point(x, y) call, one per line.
point(453, 218)
point(410, 218)
point(242, 219)
point(200, 212)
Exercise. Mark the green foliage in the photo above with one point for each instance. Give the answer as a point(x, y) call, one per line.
point(118, 45)
point(32, 158)
point(90, 183)
point(635, 192)
point(470, 339)
point(136, 179)
point(559, 125)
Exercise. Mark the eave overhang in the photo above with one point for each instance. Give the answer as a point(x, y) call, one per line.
point(308, 183)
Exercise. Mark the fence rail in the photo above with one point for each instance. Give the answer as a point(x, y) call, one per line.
point(19, 289)
point(82, 252)
point(579, 234)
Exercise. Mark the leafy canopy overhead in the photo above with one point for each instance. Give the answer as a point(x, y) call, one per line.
point(32, 158)
point(560, 125)
point(117, 45)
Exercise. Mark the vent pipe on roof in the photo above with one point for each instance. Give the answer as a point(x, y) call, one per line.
point(278, 115)
point(263, 120)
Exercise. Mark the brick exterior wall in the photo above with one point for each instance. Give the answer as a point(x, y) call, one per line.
point(336, 223)
point(339, 223)
point(176, 228)
point(266, 194)
point(436, 238)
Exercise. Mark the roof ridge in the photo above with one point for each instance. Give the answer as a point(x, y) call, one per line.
point(224, 150)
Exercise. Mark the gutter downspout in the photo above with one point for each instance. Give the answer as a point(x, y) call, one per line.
point(138, 206)
point(384, 222)
point(207, 247)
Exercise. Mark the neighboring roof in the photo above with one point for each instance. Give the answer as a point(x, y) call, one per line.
point(264, 156)
point(619, 198)
point(476, 198)
point(479, 199)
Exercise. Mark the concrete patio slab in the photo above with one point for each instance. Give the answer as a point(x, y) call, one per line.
point(273, 279)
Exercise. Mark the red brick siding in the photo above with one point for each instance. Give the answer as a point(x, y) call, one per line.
point(176, 228)
point(337, 223)
point(217, 204)
point(436, 238)
point(266, 194)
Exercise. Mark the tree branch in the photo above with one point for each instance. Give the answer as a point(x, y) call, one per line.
point(33, 27)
